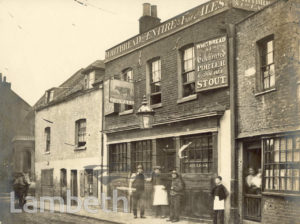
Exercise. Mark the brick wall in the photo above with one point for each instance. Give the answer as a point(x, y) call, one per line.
point(280, 210)
point(274, 111)
point(167, 49)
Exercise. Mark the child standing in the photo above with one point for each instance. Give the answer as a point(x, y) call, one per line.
point(219, 193)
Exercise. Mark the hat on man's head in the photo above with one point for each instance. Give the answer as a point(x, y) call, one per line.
point(139, 166)
point(174, 172)
point(157, 168)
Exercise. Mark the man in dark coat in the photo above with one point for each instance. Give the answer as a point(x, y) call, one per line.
point(176, 193)
point(137, 182)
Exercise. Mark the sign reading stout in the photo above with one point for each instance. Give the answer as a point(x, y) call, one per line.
point(211, 64)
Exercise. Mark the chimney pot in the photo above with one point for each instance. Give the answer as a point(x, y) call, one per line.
point(146, 9)
point(154, 11)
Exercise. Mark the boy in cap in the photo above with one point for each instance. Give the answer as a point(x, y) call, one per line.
point(137, 181)
point(176, 192)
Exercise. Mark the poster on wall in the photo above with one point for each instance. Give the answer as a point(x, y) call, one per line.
point(211, 65)
point(121, 92)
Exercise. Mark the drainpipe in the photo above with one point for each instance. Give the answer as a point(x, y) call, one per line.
point(233, 218)
point(102, 141)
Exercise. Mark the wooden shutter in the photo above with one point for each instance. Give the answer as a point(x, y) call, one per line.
point(81, 183)
point(95, 183)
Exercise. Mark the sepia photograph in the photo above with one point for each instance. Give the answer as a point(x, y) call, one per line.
point(149, 111)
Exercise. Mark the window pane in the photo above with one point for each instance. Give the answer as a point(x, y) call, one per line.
point(270, 46)
point(270, 58)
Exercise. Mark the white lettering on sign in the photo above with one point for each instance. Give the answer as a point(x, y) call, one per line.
point(167, 28)
point(211, 64)
point(251, 4)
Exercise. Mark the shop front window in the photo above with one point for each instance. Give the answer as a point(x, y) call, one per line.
point(118, 158)
point(198, 154)
point(141, 154)
point(282, 164)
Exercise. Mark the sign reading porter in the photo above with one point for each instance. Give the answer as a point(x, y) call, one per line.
point(211, 64)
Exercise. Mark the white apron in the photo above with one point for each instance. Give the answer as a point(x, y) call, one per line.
point(160, 196)
point(218, 205)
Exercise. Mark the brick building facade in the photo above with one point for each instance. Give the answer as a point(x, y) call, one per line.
point(267, 52)
point(162, 62)
point(68, 136)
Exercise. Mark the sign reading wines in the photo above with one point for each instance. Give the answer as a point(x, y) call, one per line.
point(211, 64)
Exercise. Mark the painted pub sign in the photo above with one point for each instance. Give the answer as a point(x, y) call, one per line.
point(211, 64)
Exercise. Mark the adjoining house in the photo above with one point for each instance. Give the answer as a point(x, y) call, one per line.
point(68, 135)
point(13, 111)
point(185, 69)
point(268, 124)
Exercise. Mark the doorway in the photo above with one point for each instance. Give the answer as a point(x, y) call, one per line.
point(166, 154)
point(63, 184)
point(252, 181)
point(74, 185)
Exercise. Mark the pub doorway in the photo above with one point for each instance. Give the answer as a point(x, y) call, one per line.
point(252, 181)
point(166, 154)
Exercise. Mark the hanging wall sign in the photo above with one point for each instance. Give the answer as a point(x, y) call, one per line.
point(211, 64)
point(121, 92)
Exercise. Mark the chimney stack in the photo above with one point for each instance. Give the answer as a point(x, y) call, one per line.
point(4, 83)
point(146, 9)
point(149, 19)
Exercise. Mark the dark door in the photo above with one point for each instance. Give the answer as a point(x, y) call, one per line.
point(166, 154)
point(252, 181)
point(74, 185)
point(63, 184)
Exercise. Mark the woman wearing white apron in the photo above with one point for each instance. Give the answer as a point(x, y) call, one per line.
point(160, 195)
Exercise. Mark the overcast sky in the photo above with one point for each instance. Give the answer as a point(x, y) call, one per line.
point(43, 42)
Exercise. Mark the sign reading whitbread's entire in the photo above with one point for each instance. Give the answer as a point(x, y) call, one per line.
point(211, 64)
point(170, 26)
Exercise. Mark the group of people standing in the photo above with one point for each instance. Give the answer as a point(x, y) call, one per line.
point(167, 194)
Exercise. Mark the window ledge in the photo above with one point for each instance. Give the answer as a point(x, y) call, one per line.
point(46, 153)
point(158, 105)
point(126, 112)
point(79, 148)
point(187, 98)
point(281, 194)
point(265, 91)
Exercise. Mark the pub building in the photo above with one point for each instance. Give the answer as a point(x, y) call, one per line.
point(184, 67)
point(268, 124)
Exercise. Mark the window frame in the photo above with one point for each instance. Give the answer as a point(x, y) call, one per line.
point(78, 132)
point(276, 171)
point(264, 66)
point(124, 108)
point(47, 132)
point(190, 70)
point(141, 154)
point(118, 158)
point(152, 93)
point(198, 149)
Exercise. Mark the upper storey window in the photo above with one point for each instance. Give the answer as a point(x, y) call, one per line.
point(188, 71)
point(267, 67)
point(127, 75)
point(155, 81)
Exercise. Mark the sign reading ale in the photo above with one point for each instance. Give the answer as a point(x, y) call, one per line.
point(211, 64)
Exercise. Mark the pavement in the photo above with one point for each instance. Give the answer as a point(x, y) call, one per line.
point(118, 217)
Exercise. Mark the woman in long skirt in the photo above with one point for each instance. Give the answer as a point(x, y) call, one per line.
point(160, 195)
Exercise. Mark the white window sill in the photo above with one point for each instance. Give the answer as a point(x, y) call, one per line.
point(46, 153)
point(158, 105)
point(187, 98)
point(265, 91)
point(79, 148)
point(126, 112)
